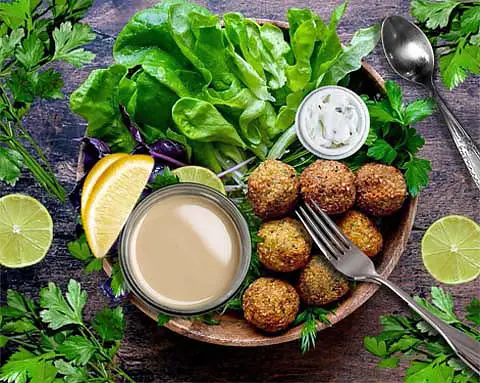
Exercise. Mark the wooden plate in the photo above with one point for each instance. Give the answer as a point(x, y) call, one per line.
point(233, 329)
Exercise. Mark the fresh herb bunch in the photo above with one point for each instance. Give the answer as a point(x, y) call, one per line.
point(392, 140)
point(429, 356)
point(33, 35)
point(54, 341)
point(453, 28)
point(310, 317)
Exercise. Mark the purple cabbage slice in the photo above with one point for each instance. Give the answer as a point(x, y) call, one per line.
point(93, 149)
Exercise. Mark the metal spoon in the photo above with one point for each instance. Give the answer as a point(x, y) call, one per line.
point(410, 54)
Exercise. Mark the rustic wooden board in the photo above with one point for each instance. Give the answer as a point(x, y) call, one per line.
point(152, 354)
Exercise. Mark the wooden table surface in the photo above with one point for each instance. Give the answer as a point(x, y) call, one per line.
point(153, 354)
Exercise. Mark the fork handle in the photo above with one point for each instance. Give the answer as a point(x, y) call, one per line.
point(467, 349)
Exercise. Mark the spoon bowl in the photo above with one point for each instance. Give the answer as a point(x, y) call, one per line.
point(410, 54)
point(408, 50)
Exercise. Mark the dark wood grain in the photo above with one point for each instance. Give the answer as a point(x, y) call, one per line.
point(152, 354)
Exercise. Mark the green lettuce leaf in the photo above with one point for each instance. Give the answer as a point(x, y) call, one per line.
point(363, 42)
point(147, 35)
point(199, 121)
point(151, 95)
point(97, 100)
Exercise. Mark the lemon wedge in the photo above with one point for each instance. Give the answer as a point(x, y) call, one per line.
point(95, 173)
point(112, 199)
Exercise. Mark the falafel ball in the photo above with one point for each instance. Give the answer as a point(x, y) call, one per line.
point(286, 245)
point(381, 189)
point(273, 189)
point(361, 231)
point(330, 184)
point(270, 304)
point(319, 283)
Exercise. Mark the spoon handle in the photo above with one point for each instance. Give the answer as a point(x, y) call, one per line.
point(467, 148)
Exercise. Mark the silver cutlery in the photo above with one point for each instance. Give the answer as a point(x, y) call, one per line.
point(410, 54)
point(350, 261)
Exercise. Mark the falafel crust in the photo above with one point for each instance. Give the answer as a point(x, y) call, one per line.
point(330, 184)
point(286, 245)
point(273, 189)
point(361, 231)
point(319, 283)
point(270, 304)
point(381, 189)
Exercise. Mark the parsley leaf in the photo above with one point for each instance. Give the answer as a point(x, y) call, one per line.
point(434, 13)
point(394, 94)
point(473, 310)
point(77, 349)
point(375, 346)
point(23, 364)
point(72, 374)
point(15, 370)
point(117, 282)
point(15, 13)
point(11, 164)
point(382, 151)
point(455, 66)
point(80, 250)
point(163, 319)
point(68, 38)
point(30, 52)
point(42, 372)
point(417, 172)
point(59, 312)
point(109, 324)
point(470, 20)
point(164, 179)
point(8, 43)
point(418, 110)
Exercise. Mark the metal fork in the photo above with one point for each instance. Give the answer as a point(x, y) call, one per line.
point(350, 261)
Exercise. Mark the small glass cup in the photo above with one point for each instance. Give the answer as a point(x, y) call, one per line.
point(196, 190)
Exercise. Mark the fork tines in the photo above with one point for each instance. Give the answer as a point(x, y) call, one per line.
point(324, 232)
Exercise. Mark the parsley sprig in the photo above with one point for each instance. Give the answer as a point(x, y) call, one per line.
point(54, 341)
point(392, 140)
point(412, 339)
point(454, 30)
point(310, 317)
point(33, 35)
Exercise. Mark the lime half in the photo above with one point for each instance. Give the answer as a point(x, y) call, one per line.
point(26, 231)
point(451, 249)
point(199, 175)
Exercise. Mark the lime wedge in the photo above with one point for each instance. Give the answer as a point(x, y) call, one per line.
point(451, 249)
point(26, 231)
point(199, 175)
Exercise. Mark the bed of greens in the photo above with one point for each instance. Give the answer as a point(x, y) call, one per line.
point(220, 92)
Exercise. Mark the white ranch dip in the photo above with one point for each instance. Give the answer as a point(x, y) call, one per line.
point(332, 122)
